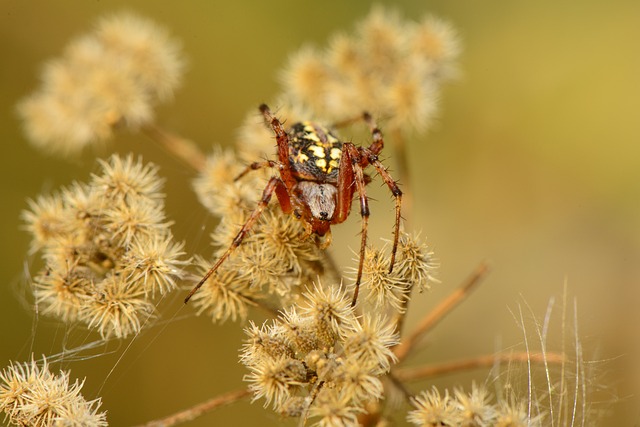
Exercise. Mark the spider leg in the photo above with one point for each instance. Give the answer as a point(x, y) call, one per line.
point(351, 156)
point(258, 165)
point(371, 156)
point(286, 174)
point(273, 185)
point(372, 159)
point(378, 143)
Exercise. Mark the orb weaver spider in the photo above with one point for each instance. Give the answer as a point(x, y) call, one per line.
point(318, 176)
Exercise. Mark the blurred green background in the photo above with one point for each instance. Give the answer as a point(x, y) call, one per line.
point(533, 165)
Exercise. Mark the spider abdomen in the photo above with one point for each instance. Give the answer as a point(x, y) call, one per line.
point(314, 152)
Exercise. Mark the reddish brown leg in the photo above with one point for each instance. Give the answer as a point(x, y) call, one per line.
point(371, 156)
point(378, 143)
point(283, 147)
point(351, 155)
point(273, 185)
point(397, 193)
point(258, 165)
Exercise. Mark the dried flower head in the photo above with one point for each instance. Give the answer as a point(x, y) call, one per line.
point(475, 409)
point(433, 409)
point(469, 410)
point(389, 67)
point(107, 248)
point(30, 395)
point(111, 77)
point(225, 295)
point(414, 269)
point(320, 353)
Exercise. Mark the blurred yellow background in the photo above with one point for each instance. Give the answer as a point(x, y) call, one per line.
point(533, 165)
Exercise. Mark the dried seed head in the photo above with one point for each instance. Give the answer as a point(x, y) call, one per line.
point(128, 179)
point(416, 262)
point(369, 341)
point(335, 408)
point(147, 52)
point(156, 263)
point(111, 77)
point(30, 395)
point(475, 409)
point(470, 410)
point(107, 248)
point(226, 294)
point(343, 355)
point(116, 309)
point(390, 67)
point(331, 310)
point(383, 288)
point(273, 379)
point(433, 410)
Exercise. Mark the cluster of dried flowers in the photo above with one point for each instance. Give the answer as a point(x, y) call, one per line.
point(30, 395)
point(320, 358)
point(472, 409)
point(112, 77)
point(107, 248)
point(392, 67)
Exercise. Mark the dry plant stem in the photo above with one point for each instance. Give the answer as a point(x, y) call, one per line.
point(430, 371)
point(180, 147)
point(402, 315)
point(198, 410)
point(438, 313)
point(272, 311)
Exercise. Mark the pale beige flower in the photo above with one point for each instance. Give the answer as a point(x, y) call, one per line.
point(30, 395)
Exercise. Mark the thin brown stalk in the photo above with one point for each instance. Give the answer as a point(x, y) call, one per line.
point(440, 311)
point(198, 410)
point(182, 148)
point(266, 308)
point(486, 361)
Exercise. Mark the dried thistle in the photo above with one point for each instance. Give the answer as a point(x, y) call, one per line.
point(469, 410)
point(107, 248)
point(320, 357)
point(389, 66)
point(111, 77)
point(30, 395)
point(414, 269)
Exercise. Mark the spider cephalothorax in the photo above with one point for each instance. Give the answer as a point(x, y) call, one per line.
point(318, 176)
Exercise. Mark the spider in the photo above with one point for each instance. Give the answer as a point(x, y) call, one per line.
point(318, 176)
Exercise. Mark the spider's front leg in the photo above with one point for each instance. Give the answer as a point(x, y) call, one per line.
point(274, 185)
point(286, 174)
